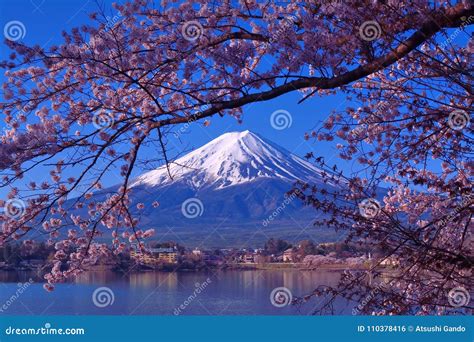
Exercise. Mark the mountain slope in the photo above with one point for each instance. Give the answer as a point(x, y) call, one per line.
point(229, 192)
point(233, 159)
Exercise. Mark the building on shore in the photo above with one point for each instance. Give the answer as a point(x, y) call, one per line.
point(288, 255)
point(156, 255)
point(197, 252)
point(248, 258)
point(390, 261)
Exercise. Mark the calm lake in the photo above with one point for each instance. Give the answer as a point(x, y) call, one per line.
point(235, 292)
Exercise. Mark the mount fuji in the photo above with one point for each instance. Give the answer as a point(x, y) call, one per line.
point(230, 192)
point(233, 159)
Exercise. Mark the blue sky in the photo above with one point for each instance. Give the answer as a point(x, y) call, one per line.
point(44, 21)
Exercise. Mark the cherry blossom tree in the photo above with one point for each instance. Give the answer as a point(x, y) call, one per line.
point(92, 104)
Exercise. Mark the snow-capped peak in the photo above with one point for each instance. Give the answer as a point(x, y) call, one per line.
point(233, 158)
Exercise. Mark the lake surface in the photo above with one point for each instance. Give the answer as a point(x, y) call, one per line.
point(230, 292)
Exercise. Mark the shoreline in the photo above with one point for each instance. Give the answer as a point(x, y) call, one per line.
point(232, 267)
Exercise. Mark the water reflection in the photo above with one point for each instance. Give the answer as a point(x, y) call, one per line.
point(236, 292)
point(153, 279)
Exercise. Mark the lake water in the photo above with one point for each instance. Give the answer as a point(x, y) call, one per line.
point(235, 292)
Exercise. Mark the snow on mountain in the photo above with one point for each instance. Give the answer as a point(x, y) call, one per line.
point(233, 159)
point(237, 184)
point(231, 192)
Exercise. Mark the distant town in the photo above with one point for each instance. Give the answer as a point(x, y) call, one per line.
point(170, 256)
